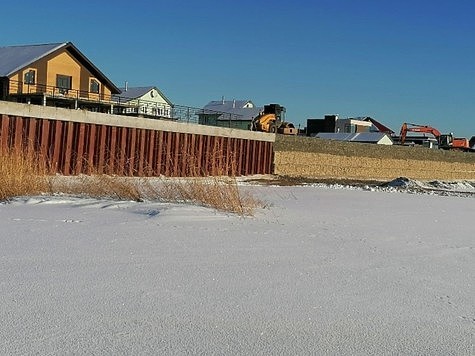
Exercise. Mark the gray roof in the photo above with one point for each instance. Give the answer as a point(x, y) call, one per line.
point(14, 58)
point(234, 107)
point(226, 105)
point(368, 137)
point(136, 92)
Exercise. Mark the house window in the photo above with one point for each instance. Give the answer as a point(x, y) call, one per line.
point(63, 82)
point(30, 77)
point(94, 86)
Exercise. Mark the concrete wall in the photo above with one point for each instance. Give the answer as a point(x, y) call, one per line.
point(45, 112)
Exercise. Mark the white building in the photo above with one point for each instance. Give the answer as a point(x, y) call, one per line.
point(352, 125)
point(144, 101)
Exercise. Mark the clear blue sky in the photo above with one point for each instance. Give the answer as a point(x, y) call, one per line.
point(397, 61)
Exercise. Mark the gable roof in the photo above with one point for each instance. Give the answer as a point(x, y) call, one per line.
point(234, 107)
point(131, 93)
point(227, 105)
point(378, 125)
point(14, 58)
point(364, 137)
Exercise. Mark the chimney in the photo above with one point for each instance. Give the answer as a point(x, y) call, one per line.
point(222, 99)
point(126, 85)
point(234, 103)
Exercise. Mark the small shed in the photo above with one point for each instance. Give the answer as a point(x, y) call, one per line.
point(378, 138)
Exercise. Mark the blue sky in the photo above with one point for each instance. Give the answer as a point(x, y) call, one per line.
point(397, 61)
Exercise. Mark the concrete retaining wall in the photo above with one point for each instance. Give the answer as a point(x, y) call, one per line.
point(88, 117)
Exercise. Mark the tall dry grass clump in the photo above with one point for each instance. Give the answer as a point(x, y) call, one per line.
point(219, 191)
point(99, 186)
point(20, 174)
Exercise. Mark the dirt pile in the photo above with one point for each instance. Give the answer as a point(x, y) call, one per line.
point(324, 159)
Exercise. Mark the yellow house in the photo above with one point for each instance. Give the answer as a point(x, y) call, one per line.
point(56, 74)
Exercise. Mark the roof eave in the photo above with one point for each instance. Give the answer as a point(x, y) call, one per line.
point(113, 87)
point(163, 96)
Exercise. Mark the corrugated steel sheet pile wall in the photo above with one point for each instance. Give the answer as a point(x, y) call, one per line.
point(73, 147)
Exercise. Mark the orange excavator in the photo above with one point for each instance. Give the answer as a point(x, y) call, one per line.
point(445, 141)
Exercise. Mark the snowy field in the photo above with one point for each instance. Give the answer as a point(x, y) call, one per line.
point(322, 270)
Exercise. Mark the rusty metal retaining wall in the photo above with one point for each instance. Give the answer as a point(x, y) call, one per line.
point(72, 142)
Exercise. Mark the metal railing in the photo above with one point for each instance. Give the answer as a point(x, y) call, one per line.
point(18, 88)
point(201, 116)
point(116, 104)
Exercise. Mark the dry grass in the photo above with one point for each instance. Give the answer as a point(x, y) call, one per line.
point(220, 193)
point(21, 175)
point(98, 186)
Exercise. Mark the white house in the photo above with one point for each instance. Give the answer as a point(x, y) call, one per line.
point(144, 101)
point(352, 125)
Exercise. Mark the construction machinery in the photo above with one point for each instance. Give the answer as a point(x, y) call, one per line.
point(444, 141)
point(272, 120)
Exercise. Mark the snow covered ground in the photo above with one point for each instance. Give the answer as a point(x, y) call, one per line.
point(327, 270)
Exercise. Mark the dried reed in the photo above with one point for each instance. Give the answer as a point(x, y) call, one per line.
point(21, 175)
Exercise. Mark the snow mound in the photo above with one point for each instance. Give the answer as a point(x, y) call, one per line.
point(402, 183)
point(462, 186)
point(412, 186)
point(445, 188)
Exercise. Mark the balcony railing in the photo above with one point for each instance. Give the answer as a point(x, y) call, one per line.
point(21, 88)
point(115, 104)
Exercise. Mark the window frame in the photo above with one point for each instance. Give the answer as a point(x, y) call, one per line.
point(67, 77)
point(64, 89)
point(27, 77)
point(95, 82)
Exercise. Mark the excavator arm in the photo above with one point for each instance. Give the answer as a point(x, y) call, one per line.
point(407, 127)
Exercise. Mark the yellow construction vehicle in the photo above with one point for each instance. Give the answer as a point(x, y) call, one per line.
point(272, 120)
